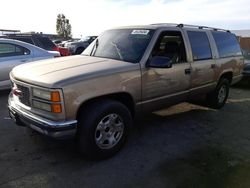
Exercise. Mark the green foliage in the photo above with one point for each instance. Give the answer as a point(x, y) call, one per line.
point(63, 27)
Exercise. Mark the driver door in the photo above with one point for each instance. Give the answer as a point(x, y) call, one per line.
point(166, 86)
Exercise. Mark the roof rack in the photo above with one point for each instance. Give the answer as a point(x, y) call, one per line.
point(192, 26)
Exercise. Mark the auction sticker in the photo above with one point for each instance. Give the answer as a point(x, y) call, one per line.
point(140, 32)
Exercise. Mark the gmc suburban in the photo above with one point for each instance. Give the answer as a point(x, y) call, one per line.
point(124, 72)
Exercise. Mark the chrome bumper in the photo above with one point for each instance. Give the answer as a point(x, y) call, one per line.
point(65, 129)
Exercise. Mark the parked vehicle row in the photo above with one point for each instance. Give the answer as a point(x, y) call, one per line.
point(40, 41)
point(124, 72)
point(77, 47)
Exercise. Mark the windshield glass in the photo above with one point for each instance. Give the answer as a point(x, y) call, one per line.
point(121, 44)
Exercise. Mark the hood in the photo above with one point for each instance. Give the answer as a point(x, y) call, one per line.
point(61, 71)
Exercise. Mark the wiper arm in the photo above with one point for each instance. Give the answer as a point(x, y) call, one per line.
point(118, 50)
point(92, 53)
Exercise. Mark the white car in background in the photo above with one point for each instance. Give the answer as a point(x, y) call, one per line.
point(13, 53)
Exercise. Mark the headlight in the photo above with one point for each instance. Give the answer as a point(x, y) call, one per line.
point(53, 96)
point(55, 108)
point(47, 100)
point(42, 105)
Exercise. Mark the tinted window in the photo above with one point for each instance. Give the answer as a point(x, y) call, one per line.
point(227, 44)
point(27, 40)
point(200, 45)
point(7, 50)
point(44, 42)
point(170, 44)
point(121, 44)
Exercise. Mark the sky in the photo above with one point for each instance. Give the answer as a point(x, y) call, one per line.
point(91, 17)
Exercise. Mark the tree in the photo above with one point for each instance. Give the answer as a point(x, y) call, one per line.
point(63, 27)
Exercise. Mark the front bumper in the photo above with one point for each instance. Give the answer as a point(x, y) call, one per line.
point(65, 129)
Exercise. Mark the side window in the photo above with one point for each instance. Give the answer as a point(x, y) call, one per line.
point(170, 44)
point(227, 44)
point(8, 50)
point(200, 45)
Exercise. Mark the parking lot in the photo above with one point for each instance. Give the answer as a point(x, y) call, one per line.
point(185, 146)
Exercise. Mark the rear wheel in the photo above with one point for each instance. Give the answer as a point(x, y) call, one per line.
point(219, 96)
point(103, 129)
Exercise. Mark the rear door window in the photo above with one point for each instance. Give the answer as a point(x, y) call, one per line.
point(8, 50)
point(227, 44)
point(200, 45)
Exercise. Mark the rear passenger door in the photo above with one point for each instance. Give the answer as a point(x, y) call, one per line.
point(203, 64)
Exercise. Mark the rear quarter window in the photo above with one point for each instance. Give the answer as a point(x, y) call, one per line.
point(227, 44)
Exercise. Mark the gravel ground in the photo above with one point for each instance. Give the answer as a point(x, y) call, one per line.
point(185, 146)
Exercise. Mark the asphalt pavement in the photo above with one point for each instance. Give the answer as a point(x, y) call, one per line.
point(185, 146)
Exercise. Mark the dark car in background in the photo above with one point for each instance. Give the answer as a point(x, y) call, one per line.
point(246, 71)
point(40, 41)
point(77, 47)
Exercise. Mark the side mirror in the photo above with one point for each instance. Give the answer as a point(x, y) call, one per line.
point(160, 62)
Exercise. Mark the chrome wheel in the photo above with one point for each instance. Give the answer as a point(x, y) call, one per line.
point(109, 131)
point(222, 94)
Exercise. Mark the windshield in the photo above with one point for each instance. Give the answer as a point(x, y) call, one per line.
point(121, 44)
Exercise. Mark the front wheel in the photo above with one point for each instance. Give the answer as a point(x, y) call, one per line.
point(103, 129)
point(218, 97)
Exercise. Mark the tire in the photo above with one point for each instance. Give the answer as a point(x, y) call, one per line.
point(218, 97)
point(79, 50)
point(103, 129)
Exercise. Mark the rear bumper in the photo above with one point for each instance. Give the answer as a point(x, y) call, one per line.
point(65, 129)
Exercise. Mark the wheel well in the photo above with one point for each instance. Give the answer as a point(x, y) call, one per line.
point(124, 98)
point(228, 76)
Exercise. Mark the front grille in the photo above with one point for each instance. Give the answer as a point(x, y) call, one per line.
point(25, 96)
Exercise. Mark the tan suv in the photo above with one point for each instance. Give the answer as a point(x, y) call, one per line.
point(125, 71)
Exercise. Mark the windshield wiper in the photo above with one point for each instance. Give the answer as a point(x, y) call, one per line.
point(92, 53)
point(118, 50)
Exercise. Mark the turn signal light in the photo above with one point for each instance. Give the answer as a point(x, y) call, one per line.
point(55, 96)
point(56, 108)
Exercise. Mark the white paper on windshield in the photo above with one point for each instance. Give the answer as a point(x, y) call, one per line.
point(140, 32)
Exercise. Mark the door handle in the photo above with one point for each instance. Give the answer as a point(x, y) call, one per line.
point(188, 71)
point(213, 66)
point(24, 60)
